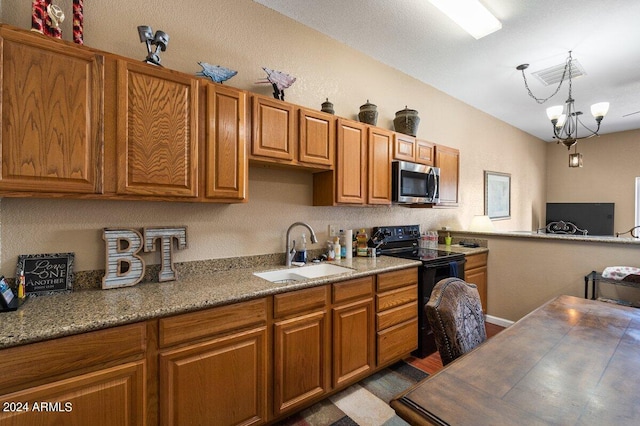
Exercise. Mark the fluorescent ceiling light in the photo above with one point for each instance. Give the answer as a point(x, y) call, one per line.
point(471, 15)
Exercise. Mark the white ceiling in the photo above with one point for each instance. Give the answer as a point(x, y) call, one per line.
point(415, 38)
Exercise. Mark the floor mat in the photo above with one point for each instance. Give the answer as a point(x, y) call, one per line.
point(365, 403)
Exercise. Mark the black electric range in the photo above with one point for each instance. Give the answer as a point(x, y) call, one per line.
point(403, 241)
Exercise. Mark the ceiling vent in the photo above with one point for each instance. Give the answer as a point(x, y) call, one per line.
point(553, 75)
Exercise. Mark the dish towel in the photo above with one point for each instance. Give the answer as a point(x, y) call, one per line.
point(453, 269)
point(621, 273)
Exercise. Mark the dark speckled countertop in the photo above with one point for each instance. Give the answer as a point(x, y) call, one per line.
point(47, 317)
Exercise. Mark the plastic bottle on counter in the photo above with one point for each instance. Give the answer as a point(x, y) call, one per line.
point(362, 246)
point(301, 253)
point(21, 293)
point(337, 248)
point(331, 253)
point(343, 245)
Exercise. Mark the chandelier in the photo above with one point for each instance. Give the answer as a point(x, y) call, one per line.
point(565, 120)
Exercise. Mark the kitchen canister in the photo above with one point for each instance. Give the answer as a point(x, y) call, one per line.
point(368, 113)
point(327, 107)
point(406, 121)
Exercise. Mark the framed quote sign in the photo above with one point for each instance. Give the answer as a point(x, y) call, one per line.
point(46, 273)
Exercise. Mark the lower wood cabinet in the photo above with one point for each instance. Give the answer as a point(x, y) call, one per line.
point(300, 347)
point(353, 330)
point(215, 372)
point(396, 314)
point(475, 272)
point(96, 378)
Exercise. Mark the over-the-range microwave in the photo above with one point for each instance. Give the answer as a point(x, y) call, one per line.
point(413, 183)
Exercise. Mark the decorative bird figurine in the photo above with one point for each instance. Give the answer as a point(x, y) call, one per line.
point(216, 73)
point(279, 80)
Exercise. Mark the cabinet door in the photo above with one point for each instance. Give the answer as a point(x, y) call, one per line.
point(217, 382)
point(317, 138)
point(478, 276)
point(301, 361)
point(379, 176)
point(425, 152)
point(351, 162)
point(404, 147)
point(226, 149)
point(52, 109)
point(353, 342)
point(157, 131)
point(273, 130)
point(112, 396)
point(448, 159)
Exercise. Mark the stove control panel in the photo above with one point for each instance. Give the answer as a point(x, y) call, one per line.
point(396, 234)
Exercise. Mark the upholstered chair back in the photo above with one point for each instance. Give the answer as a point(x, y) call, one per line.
point(455, 313)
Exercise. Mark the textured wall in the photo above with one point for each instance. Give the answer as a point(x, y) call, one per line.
point(245, 36)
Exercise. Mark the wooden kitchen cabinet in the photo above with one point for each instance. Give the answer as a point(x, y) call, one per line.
point(409, 148)
point(301, 339)
point(273, 130)
point(157, 143)
point(96, 378)
point(52, 117)
point(379, 166)
point(317, 138)
point(475, 272)
point(362, 172)
point(396, 314)
point(353, 331)
point(213, 366)
point(226, 161)
point(448, 160)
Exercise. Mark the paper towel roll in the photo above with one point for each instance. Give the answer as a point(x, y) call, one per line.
point(348, 240)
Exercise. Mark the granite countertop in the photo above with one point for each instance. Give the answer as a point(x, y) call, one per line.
point(556, 237)
point(47, 317)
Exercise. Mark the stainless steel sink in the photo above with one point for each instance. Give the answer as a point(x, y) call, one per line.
point(302, 273)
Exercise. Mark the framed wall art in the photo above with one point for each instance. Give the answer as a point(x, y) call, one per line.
point(497, 195)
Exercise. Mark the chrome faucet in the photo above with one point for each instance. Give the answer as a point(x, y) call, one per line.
point(291, 251)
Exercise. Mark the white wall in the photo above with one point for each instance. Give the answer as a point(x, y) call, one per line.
point(245, 36)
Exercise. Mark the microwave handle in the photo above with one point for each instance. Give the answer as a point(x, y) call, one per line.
point(432, 173)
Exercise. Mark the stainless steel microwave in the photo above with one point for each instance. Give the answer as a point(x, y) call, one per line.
point(413, 183)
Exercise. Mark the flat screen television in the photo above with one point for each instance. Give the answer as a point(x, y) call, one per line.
point(597, 218)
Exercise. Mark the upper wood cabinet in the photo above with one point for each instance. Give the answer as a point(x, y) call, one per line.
point(225, 156)
point(52, 129)
point(448, 160)
point(379, 166)
point(288, 135)
point(409, 148)
point(157, 143)
point(317, 138)
point(273, 130)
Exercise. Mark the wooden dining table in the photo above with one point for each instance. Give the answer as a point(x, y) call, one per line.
point(571, 361)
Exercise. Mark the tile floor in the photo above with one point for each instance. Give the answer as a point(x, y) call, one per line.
point(365, 404)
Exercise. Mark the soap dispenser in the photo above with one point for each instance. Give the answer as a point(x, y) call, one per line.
point(301, 254)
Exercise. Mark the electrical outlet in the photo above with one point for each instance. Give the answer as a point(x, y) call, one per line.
point(333, 230)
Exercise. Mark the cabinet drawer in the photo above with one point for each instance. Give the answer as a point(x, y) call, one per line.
point(196, 325)
point(475, 261)
point(352, 290)
point(397, 341)
point(299, 301)
point(394, 298)
point(73, 353)
point(396, 279)
point(396, 315)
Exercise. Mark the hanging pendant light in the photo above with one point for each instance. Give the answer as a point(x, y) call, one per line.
point(564, 118)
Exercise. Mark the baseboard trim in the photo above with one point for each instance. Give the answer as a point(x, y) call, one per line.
point(498, 321)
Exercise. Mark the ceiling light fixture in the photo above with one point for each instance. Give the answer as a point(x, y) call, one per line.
point(471, 15)
point(565, 118)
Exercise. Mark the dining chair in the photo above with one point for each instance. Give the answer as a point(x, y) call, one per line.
point(455, 314)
